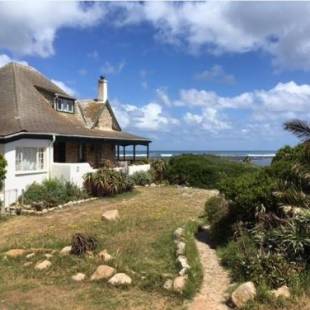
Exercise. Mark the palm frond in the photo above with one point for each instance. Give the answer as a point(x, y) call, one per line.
point(299, 128)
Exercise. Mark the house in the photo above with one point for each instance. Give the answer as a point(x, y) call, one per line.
point(45, 132)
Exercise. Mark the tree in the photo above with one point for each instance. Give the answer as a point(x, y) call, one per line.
point(2, 170)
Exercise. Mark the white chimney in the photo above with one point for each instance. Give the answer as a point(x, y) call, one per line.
point(102, 89)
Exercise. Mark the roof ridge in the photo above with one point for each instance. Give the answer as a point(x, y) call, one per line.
point(16, 101)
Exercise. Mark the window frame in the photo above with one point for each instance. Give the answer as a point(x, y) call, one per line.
point(40, 159)
point(61, 102)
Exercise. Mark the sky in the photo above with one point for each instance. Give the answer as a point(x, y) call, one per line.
point(187, 75)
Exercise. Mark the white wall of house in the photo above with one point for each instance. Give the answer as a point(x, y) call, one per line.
point(72, 172)
point(16, 181)
point(138, 168)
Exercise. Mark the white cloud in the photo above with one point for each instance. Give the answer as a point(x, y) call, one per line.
point(163, 97)
point(216, 74)
point(278, 28)
point(64, 87)
point(149, 117)
point(109, 68)
point(5, 59)
point(30, 27)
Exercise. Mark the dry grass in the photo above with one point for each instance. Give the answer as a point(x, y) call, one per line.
point(141, 242)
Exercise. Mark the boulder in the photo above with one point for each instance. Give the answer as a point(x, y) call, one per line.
point(179, 233)
point(78, 277)
point(15, 253)
point(111, 215)
point(120, 279)
point(43, 265)
point(102, 272)
point(105, 256)
point(168, 285)
point(181, 248)
point(66, 250)
point(282, 291)
point(179, 283)
point(243, 293)
point(182, 260)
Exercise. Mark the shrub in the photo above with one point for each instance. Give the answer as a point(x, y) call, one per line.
point(141, 178)
point(204, 171)
point(216, 208)
point(247, 262)
point(80, 244)
point(249, 193)
point(52, 192)
point(106, 182)
point(2, 170)
point(158, 170)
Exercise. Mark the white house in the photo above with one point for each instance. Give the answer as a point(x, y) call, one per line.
point(44, 132)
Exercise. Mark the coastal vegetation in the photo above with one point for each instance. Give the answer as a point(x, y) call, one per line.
point(2, 170)
point(261, 222)
point(204, 171)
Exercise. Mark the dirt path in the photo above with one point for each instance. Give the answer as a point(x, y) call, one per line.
point(215, 281)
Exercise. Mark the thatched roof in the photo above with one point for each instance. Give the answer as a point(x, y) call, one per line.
point(25, 107)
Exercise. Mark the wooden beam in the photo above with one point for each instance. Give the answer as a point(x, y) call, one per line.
point(117, 152)
point(124, 152)
point(148, 151)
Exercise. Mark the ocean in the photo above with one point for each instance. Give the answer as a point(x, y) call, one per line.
point(260, 158)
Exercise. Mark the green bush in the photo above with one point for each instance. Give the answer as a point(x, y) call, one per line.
point(52, 192)
point(249, 193)
point(247, 262)
point(216, 208)
point(141, 178)
point(204, 171)
point(2, 170)
point(158, 170)
point(107, 182)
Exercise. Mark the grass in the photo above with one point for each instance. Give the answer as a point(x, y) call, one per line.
point(141, 242)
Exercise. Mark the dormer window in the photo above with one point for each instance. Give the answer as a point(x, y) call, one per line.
point(64, 105)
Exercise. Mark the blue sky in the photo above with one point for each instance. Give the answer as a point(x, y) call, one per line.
point(197, 76)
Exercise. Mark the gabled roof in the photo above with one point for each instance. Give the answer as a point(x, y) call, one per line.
point(24, 108)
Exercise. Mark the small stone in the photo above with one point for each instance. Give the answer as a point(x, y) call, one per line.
point(111, 215)
point(48, 255)
point(66, 250)
point(168, 285)
point(27, 264)
point(182, 260)
point(105, 256)
point(30, 255)
point(179, 283)
point(103, 272)
point(153, 185)
point(15, 253)
point(179, 233)
point(181, 248)
point(120, 279)
point(78, 277)
point(89, 254)
point(183, 271)
point(282, 291)
point(243, 293)
point(43, 265)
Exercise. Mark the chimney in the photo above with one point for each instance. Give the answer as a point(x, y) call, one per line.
point(102, 89)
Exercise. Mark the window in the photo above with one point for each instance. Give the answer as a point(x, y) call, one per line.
point(30, 159)
point(65, 105)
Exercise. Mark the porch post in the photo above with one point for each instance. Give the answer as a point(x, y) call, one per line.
point(147, 151)
point(117, 152)
point(124, 152)
point(134, 152)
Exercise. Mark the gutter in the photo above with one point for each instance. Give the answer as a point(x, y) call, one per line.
point(20, 135)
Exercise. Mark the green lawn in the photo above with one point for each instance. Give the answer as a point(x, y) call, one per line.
point(141, 242)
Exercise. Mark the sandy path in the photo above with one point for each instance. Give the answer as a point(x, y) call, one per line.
point(215, 281)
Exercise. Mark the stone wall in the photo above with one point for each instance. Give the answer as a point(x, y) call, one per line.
point(106, 121)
